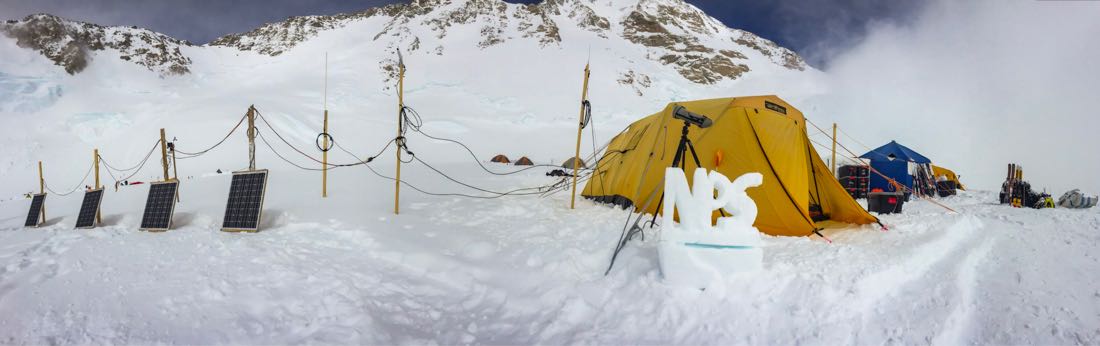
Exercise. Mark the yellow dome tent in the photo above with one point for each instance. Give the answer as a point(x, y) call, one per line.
point(750, 134)
point(938, 171)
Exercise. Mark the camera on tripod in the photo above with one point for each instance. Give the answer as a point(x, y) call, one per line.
point(681, 112)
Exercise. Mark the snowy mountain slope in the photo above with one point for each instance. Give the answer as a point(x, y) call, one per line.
point(70, 44)
point(675, 33)
point(449, 269)
point(524, 83)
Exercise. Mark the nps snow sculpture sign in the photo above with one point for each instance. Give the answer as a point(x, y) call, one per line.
point(694, 253)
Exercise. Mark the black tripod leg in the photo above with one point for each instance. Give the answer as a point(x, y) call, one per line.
point(693, 154)
point(677, 161)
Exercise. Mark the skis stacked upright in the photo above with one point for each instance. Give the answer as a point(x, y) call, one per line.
point(1007, 186)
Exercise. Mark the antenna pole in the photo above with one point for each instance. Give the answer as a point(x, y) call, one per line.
point(834, 149)
point(164, 154)
point(400, 129)
point(580, 128)
point(252, 137)
point(42, 189)
point(324, 140)
point(95, 162)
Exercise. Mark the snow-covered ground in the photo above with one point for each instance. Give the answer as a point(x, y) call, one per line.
point(529, 270)
point(451, 269)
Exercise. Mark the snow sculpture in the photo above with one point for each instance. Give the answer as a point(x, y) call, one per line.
point(694, 253)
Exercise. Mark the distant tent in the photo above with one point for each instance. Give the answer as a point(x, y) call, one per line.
point(501, 159)
point(524, 161)
point(569, 163)
point(892, 160)
point(760, 134)
point(940, 171)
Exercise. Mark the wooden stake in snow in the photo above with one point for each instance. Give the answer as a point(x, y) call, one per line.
point(95, 163)
point(42, 188)
point(400, 129)
point(164, 154)
point(580, 128)
point(251, 137)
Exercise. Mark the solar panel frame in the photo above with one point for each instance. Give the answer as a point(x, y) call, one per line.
point(85, 218)
point(232, 221)
point(35, 214)
point(160, 225)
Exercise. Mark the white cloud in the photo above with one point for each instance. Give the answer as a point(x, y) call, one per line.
point(975, 85)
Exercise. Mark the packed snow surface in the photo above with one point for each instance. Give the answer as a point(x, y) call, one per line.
point(529, 270)
point(452, 269)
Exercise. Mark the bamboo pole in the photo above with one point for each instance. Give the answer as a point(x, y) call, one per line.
point(580, 128)
point(95, 160)
point(164, 154)
point(324, 140)
point(42, 189)
point(324, 160)
point(400, 129)
point(834, 149)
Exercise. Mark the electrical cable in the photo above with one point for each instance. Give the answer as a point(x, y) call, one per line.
point(285, 141)
point(468, 185)
point(75, 188)
point(136, 169)
point(235, 127)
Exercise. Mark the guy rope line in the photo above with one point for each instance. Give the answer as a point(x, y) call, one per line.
point(303, 153)
point(872, 169)
point(216, 144)
point(75, 188)
point(138, 165)
point(258, 134)
point(136, 169)
point(540, 188)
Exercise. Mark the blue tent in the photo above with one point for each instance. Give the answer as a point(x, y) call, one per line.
point(893, 160)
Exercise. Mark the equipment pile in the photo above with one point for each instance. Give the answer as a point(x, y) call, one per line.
point(1017, 192)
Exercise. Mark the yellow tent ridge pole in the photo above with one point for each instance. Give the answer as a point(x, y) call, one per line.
point(324, 159)
point(400, 108)
point(580, 128)
point(164, 154)
point(42, 189)
point(834, 150)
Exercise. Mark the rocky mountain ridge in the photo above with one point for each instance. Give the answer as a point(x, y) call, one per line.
point(672, 32)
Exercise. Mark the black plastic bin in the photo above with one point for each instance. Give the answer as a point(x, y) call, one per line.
point(885, 202)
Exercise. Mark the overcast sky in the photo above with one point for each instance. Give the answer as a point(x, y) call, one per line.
point(814, 28)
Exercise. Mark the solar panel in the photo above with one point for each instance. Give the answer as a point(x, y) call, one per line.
point(159, 206)
point(35, 215)
point(89, 208)
point(246, 201)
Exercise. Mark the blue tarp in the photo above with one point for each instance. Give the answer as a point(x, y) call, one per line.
point(892, 160)
point(899, 152)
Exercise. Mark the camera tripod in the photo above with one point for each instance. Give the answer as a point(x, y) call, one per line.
point(678, 161)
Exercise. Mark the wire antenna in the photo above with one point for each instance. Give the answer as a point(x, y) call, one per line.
point(326, 81)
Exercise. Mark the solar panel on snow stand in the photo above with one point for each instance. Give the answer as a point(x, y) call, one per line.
point(159, 206)
point(34, 216)
point(246, 201)
point(89, 208)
